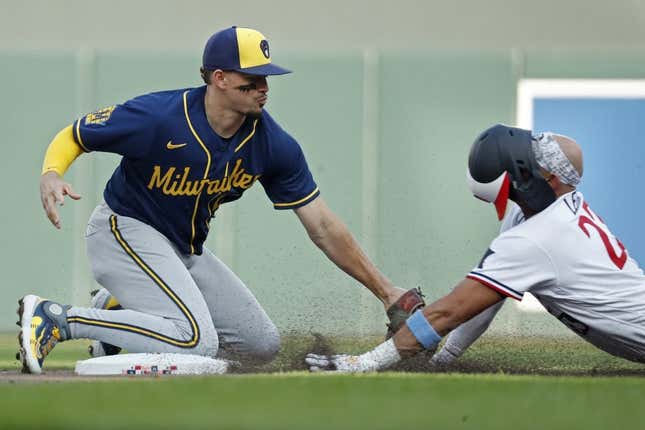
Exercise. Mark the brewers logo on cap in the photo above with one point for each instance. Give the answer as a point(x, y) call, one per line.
point(264, 46)
point(241, 49)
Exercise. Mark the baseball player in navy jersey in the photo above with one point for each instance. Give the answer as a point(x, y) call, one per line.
point(184, 153)
point(553, 245)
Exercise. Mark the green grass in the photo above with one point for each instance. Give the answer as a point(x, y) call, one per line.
point(302, 401)
point(298, 400)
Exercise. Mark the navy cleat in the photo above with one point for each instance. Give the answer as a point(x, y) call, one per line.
point(43, 324)
point(102, 299)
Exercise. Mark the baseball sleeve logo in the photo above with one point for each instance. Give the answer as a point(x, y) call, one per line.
point(100, 116)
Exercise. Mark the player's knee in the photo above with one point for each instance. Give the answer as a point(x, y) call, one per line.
point(100, 272)
point(267, 346)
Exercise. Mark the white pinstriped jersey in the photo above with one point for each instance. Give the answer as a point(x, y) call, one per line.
point(569, 260)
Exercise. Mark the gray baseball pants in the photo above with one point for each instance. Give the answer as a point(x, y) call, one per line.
point(172, 302)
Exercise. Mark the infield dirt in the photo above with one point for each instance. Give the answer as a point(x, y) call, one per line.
point(515, 355)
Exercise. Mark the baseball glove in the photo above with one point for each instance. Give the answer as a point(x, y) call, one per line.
point(400, 310)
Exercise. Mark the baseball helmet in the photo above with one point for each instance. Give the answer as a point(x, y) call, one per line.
point(501, 165)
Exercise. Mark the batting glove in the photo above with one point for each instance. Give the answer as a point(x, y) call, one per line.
point(340, 363)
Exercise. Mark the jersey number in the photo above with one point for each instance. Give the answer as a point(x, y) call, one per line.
point(593, 220)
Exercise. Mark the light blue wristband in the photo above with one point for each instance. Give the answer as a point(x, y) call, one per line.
point(422, 330)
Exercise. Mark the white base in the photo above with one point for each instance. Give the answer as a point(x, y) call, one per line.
point(151, 365)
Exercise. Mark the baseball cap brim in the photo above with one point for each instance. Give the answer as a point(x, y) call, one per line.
point(264, 70)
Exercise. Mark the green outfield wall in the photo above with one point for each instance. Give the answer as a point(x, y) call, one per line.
point(386, 134)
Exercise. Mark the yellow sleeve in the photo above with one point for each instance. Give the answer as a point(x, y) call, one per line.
point(61, 152)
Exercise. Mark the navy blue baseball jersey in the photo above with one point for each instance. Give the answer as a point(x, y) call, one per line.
point(176, 171)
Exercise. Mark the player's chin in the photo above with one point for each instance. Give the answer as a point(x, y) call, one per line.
point(255, 113)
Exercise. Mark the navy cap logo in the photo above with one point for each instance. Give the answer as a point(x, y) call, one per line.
point(264, 46)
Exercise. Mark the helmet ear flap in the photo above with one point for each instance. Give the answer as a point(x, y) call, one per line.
point(531, 188)
point(538, 194)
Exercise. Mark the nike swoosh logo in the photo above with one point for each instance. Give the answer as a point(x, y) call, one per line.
point(171, 145)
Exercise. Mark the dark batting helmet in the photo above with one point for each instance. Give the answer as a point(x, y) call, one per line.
point(501, 165)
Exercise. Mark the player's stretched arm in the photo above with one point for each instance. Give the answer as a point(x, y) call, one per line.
point(468, 299)
point(423, 330)
point(62, 151)
point(331, 235)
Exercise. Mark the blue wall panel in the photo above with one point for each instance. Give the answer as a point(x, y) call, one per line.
point(610, 132)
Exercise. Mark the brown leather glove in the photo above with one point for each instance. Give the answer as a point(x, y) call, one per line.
point(406, 305)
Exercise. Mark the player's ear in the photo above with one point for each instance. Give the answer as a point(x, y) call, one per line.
point(553, 181)
point(550, 178)
point(218, 78)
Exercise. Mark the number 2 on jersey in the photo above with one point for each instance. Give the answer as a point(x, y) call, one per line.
point(595, 221)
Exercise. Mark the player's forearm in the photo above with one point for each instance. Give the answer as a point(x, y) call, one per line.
point(335, 240)
point(466, 300)
point(61, 153)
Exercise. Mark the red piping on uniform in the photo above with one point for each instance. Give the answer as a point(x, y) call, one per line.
point(491, 286)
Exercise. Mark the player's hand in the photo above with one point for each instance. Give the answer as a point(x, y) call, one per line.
point(394, 295)
point(52, 194)
point(340, 363)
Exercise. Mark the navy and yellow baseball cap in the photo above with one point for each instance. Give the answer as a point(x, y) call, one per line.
point(241, 49)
